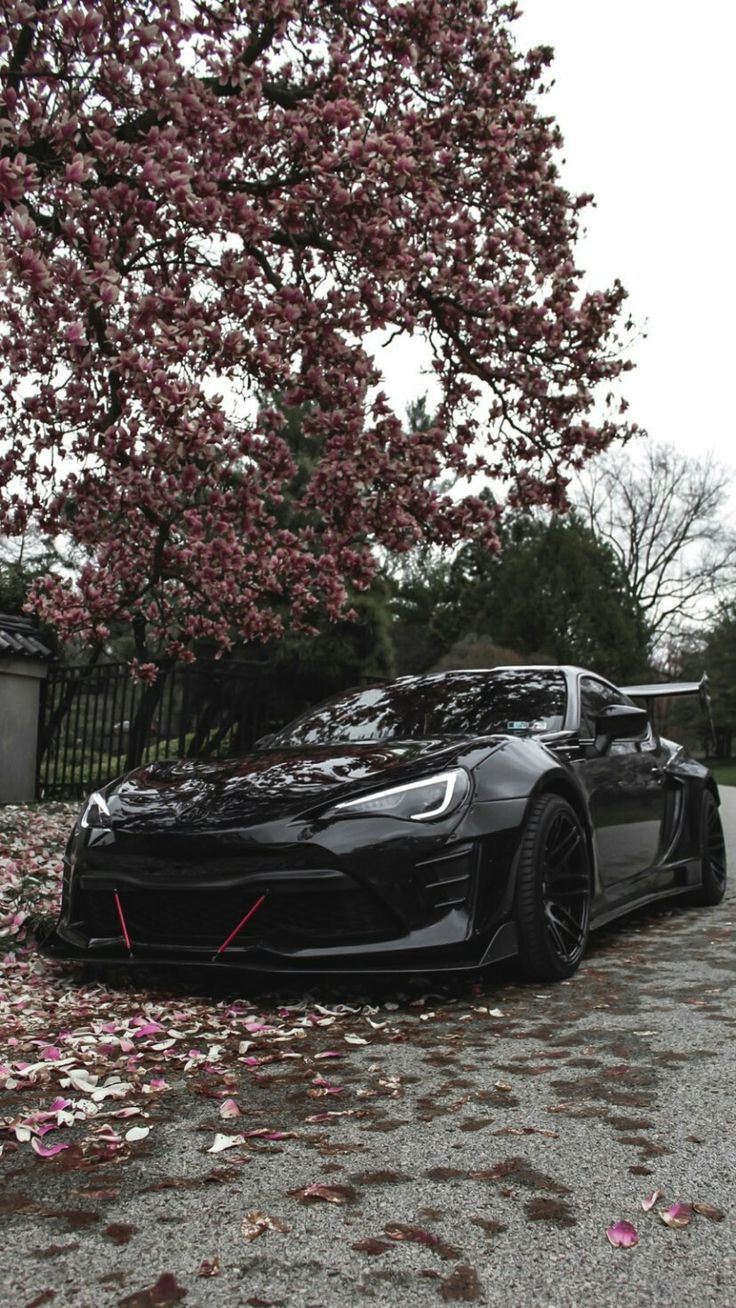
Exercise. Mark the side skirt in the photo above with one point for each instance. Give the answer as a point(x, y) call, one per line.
point(690, 878)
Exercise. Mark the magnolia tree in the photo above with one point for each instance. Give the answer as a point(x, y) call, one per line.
point(202, 202)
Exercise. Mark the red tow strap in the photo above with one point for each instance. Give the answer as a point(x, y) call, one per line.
point(126, 936)
point(121, 915)
point(253, 909)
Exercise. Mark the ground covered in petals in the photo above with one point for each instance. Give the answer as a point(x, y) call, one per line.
point(417, 1143)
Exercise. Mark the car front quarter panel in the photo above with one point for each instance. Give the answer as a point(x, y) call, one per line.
point(515, 769)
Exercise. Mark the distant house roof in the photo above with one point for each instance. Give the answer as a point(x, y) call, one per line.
point(19, 639)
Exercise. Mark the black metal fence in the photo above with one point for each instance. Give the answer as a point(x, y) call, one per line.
point(97, 723)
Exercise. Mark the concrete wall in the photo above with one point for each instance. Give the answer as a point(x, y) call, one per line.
point(20, 685)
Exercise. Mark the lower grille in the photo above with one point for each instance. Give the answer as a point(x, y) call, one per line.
point(206, 916)
point(166, 859)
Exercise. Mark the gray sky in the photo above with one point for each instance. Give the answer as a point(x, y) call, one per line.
point(643, 94)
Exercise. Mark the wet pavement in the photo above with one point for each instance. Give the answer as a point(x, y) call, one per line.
point(417, 1145)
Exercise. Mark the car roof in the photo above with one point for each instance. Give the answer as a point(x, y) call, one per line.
point(567, 669)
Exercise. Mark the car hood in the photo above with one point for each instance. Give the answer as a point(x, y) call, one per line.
point(269, 783)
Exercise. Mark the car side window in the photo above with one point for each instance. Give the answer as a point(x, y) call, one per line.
point(596, 695)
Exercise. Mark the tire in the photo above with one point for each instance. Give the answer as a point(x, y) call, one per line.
point(712, 855)
point(553, 891)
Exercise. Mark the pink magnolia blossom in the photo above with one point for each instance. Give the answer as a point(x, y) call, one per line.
point(221, 202)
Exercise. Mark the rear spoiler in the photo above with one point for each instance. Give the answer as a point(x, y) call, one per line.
point(673, 689)
point(666, 689)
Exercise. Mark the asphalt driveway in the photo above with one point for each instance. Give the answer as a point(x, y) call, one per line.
point(468, 1143)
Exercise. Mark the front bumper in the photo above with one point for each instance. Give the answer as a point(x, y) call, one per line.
point(350, 897)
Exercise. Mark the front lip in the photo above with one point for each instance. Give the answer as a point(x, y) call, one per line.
point(413, 954)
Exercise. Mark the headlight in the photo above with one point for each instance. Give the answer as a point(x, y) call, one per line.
point(96, 813)
point(419, 800)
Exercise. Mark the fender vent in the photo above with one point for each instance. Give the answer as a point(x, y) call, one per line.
point(447, 877)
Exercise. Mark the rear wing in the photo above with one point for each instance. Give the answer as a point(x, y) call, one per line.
point(666, 689)
point(673, 689)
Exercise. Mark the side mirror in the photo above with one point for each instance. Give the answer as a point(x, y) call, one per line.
point(263, 742)
point(619, 722)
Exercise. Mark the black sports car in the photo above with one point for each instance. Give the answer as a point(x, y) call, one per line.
point(439, 821)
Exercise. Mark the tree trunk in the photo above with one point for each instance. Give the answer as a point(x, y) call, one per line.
point(140, 727)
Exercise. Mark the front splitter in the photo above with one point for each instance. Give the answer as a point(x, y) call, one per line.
point(53, 944)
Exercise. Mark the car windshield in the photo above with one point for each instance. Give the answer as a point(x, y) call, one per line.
point(513, 700)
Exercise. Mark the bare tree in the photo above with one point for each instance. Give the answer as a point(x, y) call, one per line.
point(662, 513)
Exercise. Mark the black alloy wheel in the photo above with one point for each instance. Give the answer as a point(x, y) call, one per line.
point(712, 854)
point(553, 891)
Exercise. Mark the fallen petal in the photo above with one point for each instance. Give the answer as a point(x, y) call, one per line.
point(116, 1090)
point(325, 1117)
point(622, 1235)
point(229, 1108)
point(46, 1151)
point(225, 1142)
point(650, 1200)
point(527, 1130)
point(209, 1267)
point(148, 1028)
point(254, 1224)
point(137, 1133)
point(707, 1210)
point(81, 1079)
point(107, 1134)
point(322, 1087)
point(165, 1292)
point(415, 1234)
point(264, 1133)
point(371, 1246)
point(332, 1194)
point(676, 1216)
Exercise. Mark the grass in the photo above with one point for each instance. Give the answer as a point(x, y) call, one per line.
point(724, 773)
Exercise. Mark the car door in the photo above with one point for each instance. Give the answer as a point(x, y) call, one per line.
point(626, 790)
